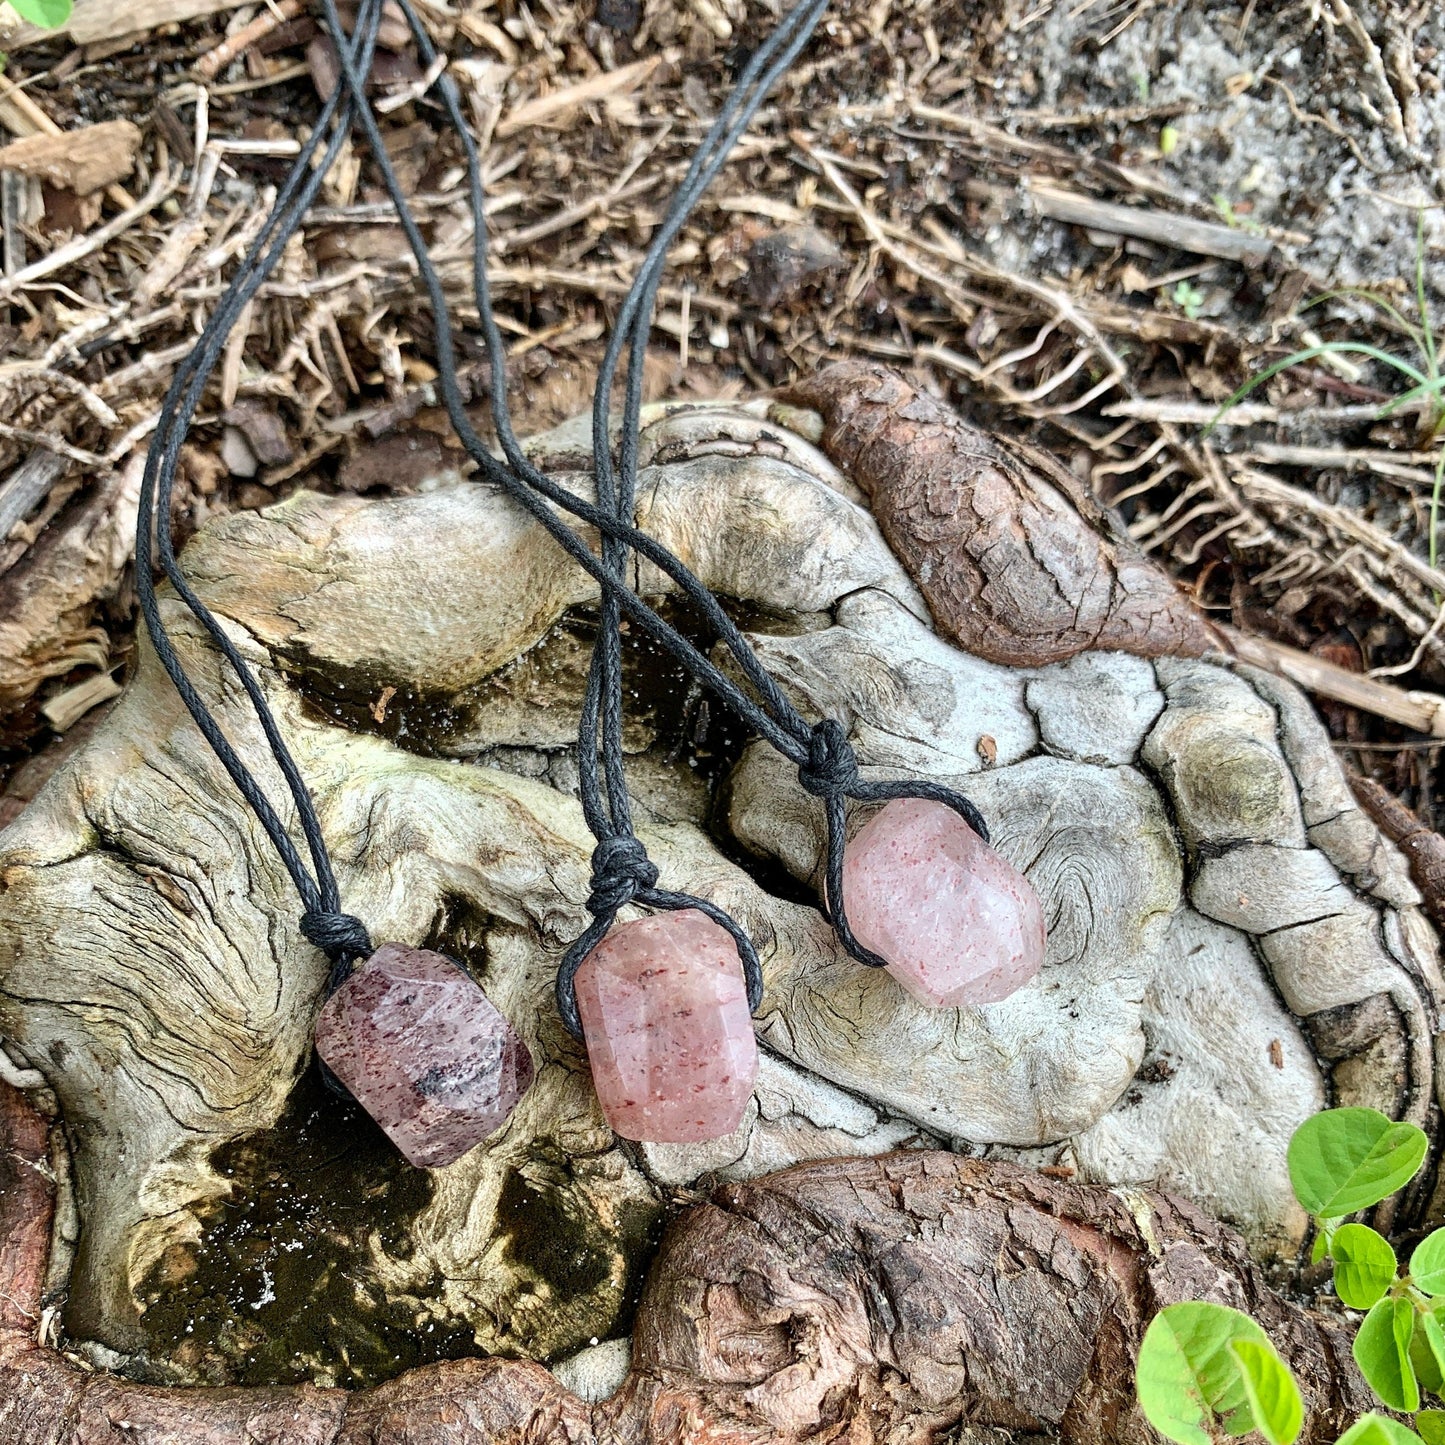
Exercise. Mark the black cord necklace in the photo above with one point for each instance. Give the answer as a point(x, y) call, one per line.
point(409, 1033)
point(655, 1097)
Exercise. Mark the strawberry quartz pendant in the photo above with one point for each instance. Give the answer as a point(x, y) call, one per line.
point(424, 1051)
point(958, 924)
point(669, 1033)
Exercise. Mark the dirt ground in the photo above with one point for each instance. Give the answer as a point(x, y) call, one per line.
point(1083, 223)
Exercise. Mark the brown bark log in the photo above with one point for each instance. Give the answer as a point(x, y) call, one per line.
point(866, 1300)
point(1424, 847)
point(1018, 563)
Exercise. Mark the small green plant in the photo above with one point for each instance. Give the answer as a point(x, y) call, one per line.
point(1204, 1363)
point(1188, 298)
point(1206, 1370)
point(51, 14)
point(1224, 208)
point(1427, 379)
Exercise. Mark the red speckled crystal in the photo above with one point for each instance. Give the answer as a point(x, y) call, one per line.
point(957, 923)
point(669, 1033)
point(424, 1051)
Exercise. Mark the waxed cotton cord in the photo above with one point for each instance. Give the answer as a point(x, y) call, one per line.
point(342, 937)
point(621, 871)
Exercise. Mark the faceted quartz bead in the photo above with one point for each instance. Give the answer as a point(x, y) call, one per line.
point(669, 1033)
point(424, 1051)
point(958, 924)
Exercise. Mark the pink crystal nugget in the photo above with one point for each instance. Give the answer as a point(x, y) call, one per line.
point(669, 1033)
point(957, 923)
point(424, 1051)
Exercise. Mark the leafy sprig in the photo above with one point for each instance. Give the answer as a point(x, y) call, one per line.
point(51, 14)
point(1206, 1370)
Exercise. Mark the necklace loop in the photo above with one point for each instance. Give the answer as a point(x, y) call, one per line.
point(621, 870)
point(832, 767)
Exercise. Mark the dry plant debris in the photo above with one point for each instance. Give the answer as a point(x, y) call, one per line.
point(1083, 223)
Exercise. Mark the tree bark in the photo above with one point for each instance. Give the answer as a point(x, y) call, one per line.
point(1018, 562)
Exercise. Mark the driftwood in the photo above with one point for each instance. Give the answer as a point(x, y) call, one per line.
point(1231, 937)
point(890, 1299)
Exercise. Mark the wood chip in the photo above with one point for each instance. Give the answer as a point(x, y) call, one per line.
point(263, 429)
point(95, 20)
point(68, 707)
point(81, 161)
point(622, 81)
point(25, 488)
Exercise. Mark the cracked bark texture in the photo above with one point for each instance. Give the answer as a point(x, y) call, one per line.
point(1423, 846)
point(1017, 561)
point(1231, 938)
point(896, 1299)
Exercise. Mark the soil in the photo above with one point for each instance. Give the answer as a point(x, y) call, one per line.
point(1281, 125)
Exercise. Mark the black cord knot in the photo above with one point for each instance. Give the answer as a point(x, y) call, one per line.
point(621, 870)
point(338, 935)
point(832, 767)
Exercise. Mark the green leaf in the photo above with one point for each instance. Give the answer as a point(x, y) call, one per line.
point(1274, 1398)
point(1364, 1265)
point(1378, 1430)
point(1187, 1375)
point(1431, 1425)
point(1297, 358)
point(1427, 1352)
point(52, 14)
point(1422, 1360)
point(1420, 296)
point(1342, 1160)
point(1427, 1264)
point(1382, 1351)
point(1320, 1248)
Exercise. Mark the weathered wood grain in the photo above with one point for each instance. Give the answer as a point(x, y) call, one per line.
point(150, 965)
